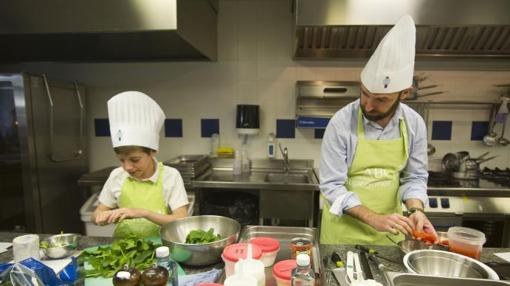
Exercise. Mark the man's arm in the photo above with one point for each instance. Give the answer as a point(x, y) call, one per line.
point(334, 166)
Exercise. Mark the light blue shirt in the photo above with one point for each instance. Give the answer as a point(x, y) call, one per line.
point(339, 146)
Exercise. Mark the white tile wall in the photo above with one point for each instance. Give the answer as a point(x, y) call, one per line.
point(255, 66)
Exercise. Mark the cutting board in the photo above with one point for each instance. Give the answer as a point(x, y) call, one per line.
point(100, 281)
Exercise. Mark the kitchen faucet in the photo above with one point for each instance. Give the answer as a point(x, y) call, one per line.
point(285, 155)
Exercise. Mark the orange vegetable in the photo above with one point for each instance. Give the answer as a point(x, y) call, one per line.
point(425, 236)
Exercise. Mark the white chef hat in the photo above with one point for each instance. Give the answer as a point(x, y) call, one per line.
point(135, 120)
point(391, 67)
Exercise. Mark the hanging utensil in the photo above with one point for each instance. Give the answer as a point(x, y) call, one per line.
point(431, 149)
point(490, 138)
point(502, 140)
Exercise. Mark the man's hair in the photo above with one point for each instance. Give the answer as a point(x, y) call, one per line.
point(128, 149)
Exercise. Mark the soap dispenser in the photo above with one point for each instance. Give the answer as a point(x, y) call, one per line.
point(271, 146)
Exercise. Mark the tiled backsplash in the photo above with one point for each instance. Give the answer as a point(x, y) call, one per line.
point(255, 66)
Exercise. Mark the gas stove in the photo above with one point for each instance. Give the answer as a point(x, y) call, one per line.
point(498, 176)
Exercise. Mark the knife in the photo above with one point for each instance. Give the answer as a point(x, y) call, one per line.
point(364, 265)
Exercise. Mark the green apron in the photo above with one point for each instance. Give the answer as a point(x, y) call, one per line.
point(374, 176)
point(141, 194)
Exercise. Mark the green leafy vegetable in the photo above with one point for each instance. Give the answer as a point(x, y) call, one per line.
point(105, 261)
point(199, 236)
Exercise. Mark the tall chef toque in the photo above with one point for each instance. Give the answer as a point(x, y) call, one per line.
point(391, 67)
point(135, 120)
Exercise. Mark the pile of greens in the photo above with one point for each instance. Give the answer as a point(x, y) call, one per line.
point(199, 236)
point(106, 260)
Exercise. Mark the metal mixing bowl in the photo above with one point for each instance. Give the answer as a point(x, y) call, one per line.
point(61, 245)
point(174, 235)
point(447, 264)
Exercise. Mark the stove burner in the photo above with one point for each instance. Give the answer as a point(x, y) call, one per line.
point(438, 179)
point(498, 176)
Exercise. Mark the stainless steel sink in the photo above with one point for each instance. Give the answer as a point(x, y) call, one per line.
point(287, 178)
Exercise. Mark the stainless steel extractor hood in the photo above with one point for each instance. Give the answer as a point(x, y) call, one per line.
point(452, 28)
point(112, 30)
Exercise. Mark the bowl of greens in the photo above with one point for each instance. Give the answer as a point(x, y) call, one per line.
point(199, 240)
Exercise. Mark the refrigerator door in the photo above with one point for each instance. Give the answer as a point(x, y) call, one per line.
point(12, 204)
point(59, 155)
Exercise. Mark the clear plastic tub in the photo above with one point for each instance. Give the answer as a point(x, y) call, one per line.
point(233, 252)
point(282, 272)
point(466, 241)
point(270, 248)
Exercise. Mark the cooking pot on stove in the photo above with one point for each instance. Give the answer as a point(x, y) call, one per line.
point(461, 166)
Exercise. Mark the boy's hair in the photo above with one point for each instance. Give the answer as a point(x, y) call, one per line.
point(128, 149)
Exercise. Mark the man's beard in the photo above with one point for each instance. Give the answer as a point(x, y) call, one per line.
point(378, 117)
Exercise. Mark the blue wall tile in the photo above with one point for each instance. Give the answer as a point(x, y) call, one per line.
point(319, 133)
point(479, 129)
point(209, 127)
point(285, 128)
point(102, 127)
point(441, 130)
point(173, 127)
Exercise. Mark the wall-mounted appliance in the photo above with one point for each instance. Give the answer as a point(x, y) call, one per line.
point(317, 101)
point(247, 119)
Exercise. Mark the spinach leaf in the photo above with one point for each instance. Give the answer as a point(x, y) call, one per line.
point(200, 236)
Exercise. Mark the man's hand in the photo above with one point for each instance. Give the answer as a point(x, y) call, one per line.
point(422, 223)
point(392, 223)
point(117, 215)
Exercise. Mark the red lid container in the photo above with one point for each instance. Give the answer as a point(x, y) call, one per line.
point(239, 250)
point(283, 269)
point(267, 244)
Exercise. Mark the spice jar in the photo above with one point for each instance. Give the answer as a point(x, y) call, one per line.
point(127, 277)
point(300, 245)
point(155, 276)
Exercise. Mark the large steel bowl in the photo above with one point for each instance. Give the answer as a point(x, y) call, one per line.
point(447, 264)
point(174, 235)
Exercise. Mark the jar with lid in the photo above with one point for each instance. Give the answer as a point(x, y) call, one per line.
point(127, 277)
point(155, 276)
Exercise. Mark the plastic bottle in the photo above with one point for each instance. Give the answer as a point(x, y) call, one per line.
point(163, 259)
point(246, 164)
point(271, 146)
point(303, 274)
point(251, 267)
point(238, 161)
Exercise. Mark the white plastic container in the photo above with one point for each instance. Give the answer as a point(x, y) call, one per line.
point(240, 280)
point(232, 253)
point(90, 228)
point(270, 248)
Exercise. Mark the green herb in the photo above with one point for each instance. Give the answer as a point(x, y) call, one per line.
point(44, 244)
point(199, 236)
point(105, 261)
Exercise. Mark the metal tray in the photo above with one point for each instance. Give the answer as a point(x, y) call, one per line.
point(284, 235)
point(187, 162)
point(404, 279)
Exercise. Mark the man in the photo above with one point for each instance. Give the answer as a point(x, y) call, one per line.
point(374, 153)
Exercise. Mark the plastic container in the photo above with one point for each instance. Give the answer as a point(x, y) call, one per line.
point(238, 163)
point(466, 241)
point(233, 252)
point(250, 266)
point(271, 146)
point(282, 271)
point(270, 248)
point(90, 228)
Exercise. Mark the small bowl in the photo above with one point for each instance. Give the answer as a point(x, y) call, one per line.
point(61, 245)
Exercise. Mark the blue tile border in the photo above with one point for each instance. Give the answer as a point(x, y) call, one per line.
point(479, 129)
point(285, 128)
point(441, 130)
point(173, 127)
point(319, 133)
point(209, 126)
point(102, 127)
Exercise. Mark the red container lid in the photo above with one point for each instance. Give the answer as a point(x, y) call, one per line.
point(283, 269)
point(267, 244)
point(238, 250)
